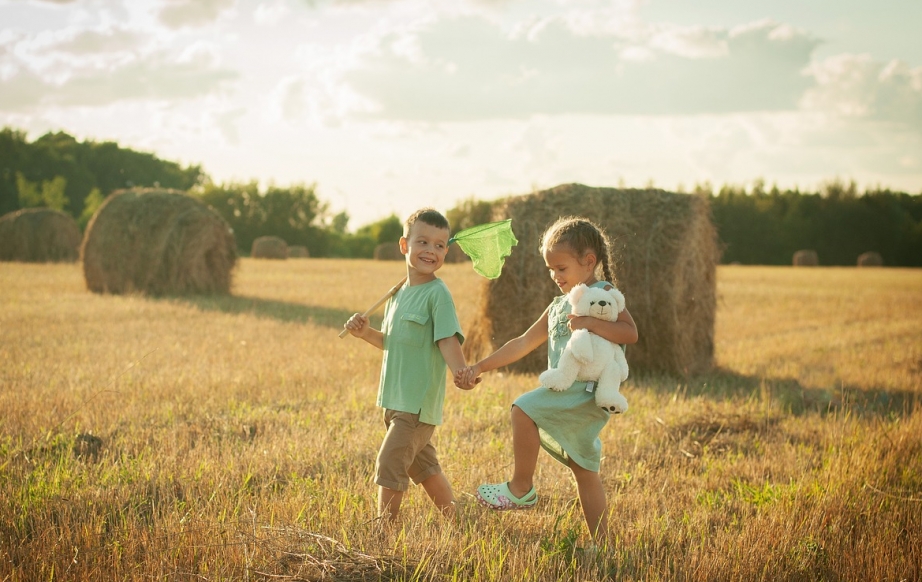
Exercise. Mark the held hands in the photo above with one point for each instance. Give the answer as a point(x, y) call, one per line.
point(467, 378)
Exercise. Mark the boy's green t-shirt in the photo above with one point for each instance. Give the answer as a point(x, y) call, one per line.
point(413, 369)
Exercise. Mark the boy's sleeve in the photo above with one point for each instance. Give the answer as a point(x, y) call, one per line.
point(444, 318)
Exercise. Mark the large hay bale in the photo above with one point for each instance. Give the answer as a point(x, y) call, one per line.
point(298, 252)
point(269, 247)
point(870, 259)
point(158, 242)
point(389, 251)
point(39, 235)
point(666, 253)
point(806, 258)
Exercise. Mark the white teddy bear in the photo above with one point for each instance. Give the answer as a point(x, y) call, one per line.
point(589, 357)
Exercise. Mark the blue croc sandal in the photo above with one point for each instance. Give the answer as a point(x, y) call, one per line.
point(499, 497)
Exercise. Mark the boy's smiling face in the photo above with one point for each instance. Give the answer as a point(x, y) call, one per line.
point(425, 247)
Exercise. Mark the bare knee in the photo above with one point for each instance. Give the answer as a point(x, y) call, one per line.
point(581, 474)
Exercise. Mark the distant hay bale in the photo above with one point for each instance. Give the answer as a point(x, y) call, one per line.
point(389, 251)
point(666, 253)
point(298, 252)
point(39, 235)
point(870, 259)
point(806, 258)
point(455, 254)
point(158, 242)
point(269, 247)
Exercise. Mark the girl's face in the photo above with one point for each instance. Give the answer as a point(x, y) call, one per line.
point(425, 247)
point(567, 270)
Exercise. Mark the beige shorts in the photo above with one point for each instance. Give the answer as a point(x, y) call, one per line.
point(406, 453)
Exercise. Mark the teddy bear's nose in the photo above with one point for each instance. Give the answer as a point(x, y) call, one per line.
point(603, 303)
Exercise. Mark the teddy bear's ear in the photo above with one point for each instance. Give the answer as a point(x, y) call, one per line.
point(617, 297)
point(576, 293)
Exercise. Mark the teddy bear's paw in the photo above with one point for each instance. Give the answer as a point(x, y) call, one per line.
point(616, 405)
point(552, 380)
point(613, 409)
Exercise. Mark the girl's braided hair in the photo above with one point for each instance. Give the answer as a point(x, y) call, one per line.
point(582, 236)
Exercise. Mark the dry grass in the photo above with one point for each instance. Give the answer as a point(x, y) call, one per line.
point(233, 438)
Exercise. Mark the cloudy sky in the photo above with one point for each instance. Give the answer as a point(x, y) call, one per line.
point(389, 105)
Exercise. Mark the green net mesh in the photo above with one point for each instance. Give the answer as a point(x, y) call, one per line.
point(487, 245)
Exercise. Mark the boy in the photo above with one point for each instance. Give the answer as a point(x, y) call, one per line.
point(420, 334)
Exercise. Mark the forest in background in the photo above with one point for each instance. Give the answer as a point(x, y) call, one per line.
point(758, 225)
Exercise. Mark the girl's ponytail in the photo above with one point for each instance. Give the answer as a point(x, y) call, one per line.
point(606, 258)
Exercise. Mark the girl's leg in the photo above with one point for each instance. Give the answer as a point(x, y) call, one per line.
point(439, 490)
point(526, 445)
point(592, 500)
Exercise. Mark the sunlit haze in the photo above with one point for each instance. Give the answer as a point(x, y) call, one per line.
point(389, 105)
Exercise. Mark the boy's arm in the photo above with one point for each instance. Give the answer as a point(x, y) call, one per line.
point(621, 331)
point(451, 352)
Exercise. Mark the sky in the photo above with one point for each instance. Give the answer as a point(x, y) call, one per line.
point(387, 106)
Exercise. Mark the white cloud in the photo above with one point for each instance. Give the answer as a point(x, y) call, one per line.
point(269, 14)
point(695, 42)
point(182, 13)
point(227, 122)
point(288, 100)
point(157, 77)
point(21, 90)
point(855, 86)
point(85, 42)
point(469, 68)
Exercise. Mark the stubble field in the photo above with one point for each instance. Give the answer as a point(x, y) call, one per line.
point(234, 439)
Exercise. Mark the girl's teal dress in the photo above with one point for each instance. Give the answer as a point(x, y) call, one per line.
point(569, 422)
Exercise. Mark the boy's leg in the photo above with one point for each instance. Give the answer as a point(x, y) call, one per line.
point(526, 445)
point(394, 456)
point(389, 502)
point(592, 500)
point(439, 490)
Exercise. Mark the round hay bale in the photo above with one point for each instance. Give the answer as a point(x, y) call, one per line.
point(269, 247)
point(870, 259)
point(158, 242)
point(298, 252)
point(666, 255)
point(389, 251)
point(806, 258)
point(39, 235)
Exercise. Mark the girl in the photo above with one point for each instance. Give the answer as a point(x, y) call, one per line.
point(566, 424)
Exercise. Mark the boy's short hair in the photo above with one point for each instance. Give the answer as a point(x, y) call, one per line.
point(430, 216)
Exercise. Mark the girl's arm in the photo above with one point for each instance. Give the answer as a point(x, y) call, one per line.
point(621, 331)
point(512, 351)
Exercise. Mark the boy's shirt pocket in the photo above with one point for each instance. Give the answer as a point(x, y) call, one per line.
point(412, 329)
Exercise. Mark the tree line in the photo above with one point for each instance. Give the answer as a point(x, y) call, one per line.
point(767, 226)
point(755, 226)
